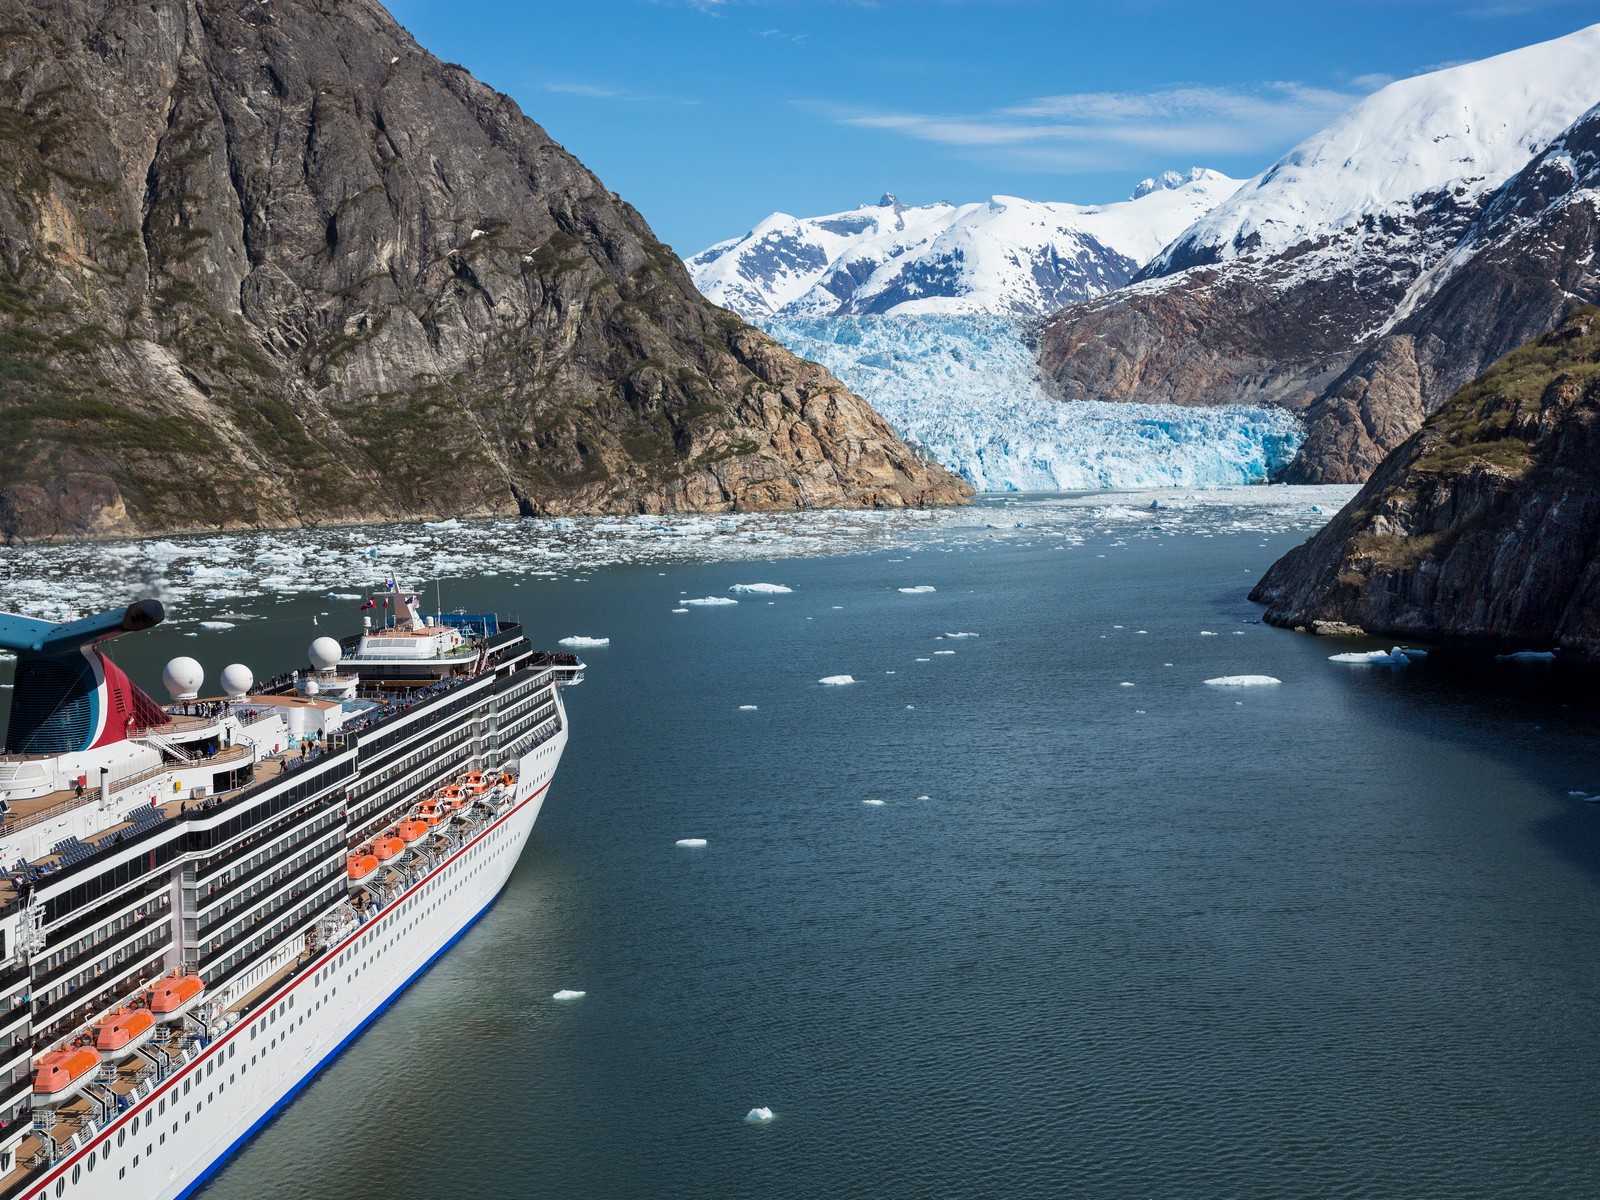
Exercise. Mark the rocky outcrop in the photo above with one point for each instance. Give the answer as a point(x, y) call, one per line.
point(1374, 270)
point(1483, 525)
point(276, 264)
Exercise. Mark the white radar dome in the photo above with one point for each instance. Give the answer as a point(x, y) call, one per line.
point(237, 680)
point(183, 677)
point(325, 653)
point(311, 687)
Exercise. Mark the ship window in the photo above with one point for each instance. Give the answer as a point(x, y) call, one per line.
point(122, 1133)
point(162, 1107)
point(77, 1173)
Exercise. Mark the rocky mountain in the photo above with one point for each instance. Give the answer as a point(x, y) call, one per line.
point(1485, 524)
point(1320, 285)
point(1003, 257)
point(269, 264)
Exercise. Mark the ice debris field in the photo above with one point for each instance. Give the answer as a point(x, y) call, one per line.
point(199, 577)
point(966, 390)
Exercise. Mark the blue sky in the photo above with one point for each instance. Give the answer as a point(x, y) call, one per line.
point(709, 114)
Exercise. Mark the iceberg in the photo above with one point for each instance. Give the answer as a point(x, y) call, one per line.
point(762, 589)
point(922, 589)
point(759, 1116)
point(873, 803)
point(568, 994)
point(1527, 656)
point(1394, 657)
point(216, 626)
point(711, 602)
point(581, 641)
point(966, 390)
point(1243, 681)
point(691, 843)
point(836, 680)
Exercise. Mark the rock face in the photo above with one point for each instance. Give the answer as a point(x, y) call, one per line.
point(1485, 524)
point(1369, 273)
point(275, 264)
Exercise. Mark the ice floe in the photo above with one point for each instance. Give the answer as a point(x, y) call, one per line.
point(711, 602)
point(341, 596)
point(691, 843)
point(747, 708)
point(960, 635)
point(581, 641)
point(937, 653)
point(874, 803)
point(1243, 681)
point(1393, 657)
point(763, 589)
point(680, 610)
point(217, 626)
point(568, 994)
point(1528, 656)
point(759, 1116)
point(921, 589)
point(837, 680)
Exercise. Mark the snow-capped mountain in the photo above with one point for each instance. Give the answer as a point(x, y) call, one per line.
point(1272, 296)
point(1011, 256)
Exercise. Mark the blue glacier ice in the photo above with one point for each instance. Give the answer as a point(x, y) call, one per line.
point(966, 391)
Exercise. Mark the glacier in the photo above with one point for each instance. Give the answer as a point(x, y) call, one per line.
point(965, 391)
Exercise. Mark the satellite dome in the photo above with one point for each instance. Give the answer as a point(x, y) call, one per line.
point(324, 653)
point(183, 677)
point(237, 680)
point(311, 687)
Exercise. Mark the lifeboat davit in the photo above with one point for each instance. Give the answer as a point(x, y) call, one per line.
point(62, 1074)
point(172, 997)
point(123, 1032)
point(386, 847)
point(359, 866)
point(411, 831)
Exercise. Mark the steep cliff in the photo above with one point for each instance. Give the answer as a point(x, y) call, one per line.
point(1485, 524)
point(275, 264)
point(1329, 284)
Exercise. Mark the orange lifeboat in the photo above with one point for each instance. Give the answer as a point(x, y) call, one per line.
point(508, 779)
point(123, 1032)
point(359, 866)
point(475, 784)
point(430, 812)
point(411, 831)
point(386, 847)
point(174, 995)
point(62, 1074)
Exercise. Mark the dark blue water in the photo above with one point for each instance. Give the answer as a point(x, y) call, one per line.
point(1331, 938)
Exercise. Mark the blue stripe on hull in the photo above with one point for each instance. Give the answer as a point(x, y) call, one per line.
point(289, 1095)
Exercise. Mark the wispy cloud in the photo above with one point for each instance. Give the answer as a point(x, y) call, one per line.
point(596, 92)
point(1110, 130)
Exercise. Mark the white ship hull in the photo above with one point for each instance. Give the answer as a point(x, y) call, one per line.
point(167, 1144)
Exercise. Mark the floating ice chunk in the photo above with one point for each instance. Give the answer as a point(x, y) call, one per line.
point(837, 680)
point(1207, 633)
point(911, 708)
point(874, 803)
point(568, 994)
point(680, 610)
point(939, 652)
point(1528, 656)
point(765, 589)
point(691, 843)
point(960, 635)
point(759, 1116)
point(1116, 627)
point(924, 660)
point(1372, 658)
point(838, 608)
point(712, 602)
point(924, 797)
point(920, 590)
point(888, 672)
point(1243, 681)
point(217, 626)
point(1410, 653)
point(1580, 793)
point(342, 596)
point(580, 640)
point(1124, 683)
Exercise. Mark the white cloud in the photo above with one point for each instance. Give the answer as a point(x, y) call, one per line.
point(1102, 130)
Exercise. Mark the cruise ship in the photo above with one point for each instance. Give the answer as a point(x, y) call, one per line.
point(202, 902)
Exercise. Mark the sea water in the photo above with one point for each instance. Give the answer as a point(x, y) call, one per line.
point(1331, 936)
